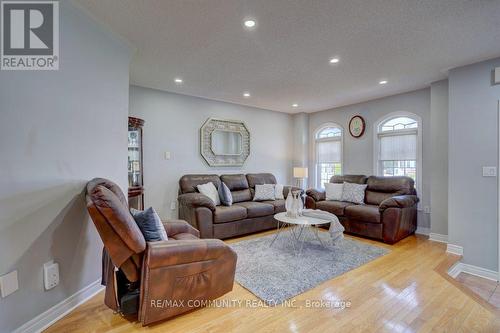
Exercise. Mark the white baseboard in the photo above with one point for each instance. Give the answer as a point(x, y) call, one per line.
point(49, 317)
point(485, 273)
point(438, 238)
point(455, 249)
point(423, 231)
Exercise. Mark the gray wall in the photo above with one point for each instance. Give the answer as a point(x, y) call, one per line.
point(358, 153)
point(58, 129)
point(173, 124)
point(473, 143)
point(439, 157)
point(300, 155)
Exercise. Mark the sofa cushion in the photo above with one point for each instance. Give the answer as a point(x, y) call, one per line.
point(229, 213)
point(364, 213)
point(188, 183)
point(334, 207)
point(235, 182)
point(256, 209)
point(381, 188)
point(356, 179)
point(260, 178)
point(279, 205)
point(241, 195)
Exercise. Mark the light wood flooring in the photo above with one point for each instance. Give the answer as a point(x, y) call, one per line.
point(406, 290)
point(486, 289)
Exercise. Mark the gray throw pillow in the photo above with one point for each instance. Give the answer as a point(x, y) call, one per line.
point(354, 193)
point(150, 224)
point(264, 192)
point(226, 198)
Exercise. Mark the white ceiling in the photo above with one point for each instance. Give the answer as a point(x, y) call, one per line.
point(285, 59)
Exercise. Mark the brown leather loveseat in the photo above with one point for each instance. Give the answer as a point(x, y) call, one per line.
point(244, 216)
point(167, 278)
point(389, 212)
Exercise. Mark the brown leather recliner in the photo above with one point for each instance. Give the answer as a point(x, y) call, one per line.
point(389, 212)
point(172, 276)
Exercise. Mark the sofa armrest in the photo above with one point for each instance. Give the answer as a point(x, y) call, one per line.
point(316, 194)
point(178, 252)
point(399, 201)
point(195, 200)
point(174, 227)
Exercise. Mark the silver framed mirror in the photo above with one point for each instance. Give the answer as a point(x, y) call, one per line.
point(224, 142)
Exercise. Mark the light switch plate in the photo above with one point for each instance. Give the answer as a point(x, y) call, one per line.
point(9, 283)
point(173, 205)
point(497, 75)
point(489, 171)
point(167, 155)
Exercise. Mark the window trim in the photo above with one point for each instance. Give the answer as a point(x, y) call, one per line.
point(315, 149)
point(377, 169)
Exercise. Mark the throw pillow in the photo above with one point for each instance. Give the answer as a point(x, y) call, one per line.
point(150, 224)
point(278, 192)
point(334, 191)
point(226, 198)
point(264, 192)
point(354, 193)
point(210, 191)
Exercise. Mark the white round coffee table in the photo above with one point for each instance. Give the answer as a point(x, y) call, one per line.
point(300, 227)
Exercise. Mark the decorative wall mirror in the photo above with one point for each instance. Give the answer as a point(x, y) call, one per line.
point(224, 142)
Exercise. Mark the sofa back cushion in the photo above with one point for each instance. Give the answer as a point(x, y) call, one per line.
point(260, 179)
point(356, 179)
point(381, 188)
point(188, 183)
point(238, 185)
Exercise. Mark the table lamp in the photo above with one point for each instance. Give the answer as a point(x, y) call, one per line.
point(300, 173)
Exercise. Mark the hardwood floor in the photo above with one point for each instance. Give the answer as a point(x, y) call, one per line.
point(487, 289)
point(406, 290)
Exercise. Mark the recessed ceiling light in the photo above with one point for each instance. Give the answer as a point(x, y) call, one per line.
point(383, 82)
point(250, 23)
point(295, 105)
point(246, 94)
point(178, 80)
point(334, 60)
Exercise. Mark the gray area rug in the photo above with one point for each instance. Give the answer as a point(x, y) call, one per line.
point(276, 273)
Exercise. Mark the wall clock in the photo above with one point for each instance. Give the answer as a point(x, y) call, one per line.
point(357, 126)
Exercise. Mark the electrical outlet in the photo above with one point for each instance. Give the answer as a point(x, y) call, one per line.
point(50, 275)
point(173, 205)
point(427, 209)
point(8, 283)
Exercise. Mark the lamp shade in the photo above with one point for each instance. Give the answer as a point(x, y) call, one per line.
point(300, 172)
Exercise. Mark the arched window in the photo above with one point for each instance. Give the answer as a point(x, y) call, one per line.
point(398, 146)
point(328, 150)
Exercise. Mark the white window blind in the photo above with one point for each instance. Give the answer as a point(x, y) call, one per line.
point(329, 152)
point(398, 147)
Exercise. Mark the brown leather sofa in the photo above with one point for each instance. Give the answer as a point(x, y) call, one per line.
point(243, 217)
point(389, 212)
point(167, 277)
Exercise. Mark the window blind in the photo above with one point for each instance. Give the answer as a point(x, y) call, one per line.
point(398, 147)
point(329, 152)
